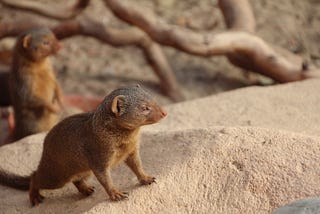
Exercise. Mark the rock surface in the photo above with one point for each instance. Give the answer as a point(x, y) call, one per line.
point(304, 206)
point(206, 156)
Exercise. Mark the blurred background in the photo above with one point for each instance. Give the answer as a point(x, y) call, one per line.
point(88, 67)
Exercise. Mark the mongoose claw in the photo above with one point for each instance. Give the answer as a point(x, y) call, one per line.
point(118, 195)
point(89, 190)
point(148, 180)
point(36, 200)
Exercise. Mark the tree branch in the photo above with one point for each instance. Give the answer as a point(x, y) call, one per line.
point(52, 11)
point(259, 56)
point(238, 15)
point(13, 29)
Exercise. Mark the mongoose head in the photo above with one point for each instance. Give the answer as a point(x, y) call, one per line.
point(38, 43)
point(132, 107)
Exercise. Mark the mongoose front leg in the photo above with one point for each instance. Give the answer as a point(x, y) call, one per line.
point(52, 107)
point(134, 163)
point(58, 95)
point(105, 180)
point(34, 103)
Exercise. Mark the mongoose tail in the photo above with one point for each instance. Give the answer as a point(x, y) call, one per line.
point(14, 181)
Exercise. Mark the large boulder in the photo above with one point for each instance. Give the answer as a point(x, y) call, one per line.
point(294, 107)
point(303, 206)
point(213, 170)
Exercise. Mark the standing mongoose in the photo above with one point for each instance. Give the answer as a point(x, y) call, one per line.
point(35, 93)
point(93, 142)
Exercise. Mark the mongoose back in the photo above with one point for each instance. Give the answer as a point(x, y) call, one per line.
point(93, 142)
point(35, 92)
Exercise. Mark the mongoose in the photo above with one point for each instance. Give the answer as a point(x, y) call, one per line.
point(93, 142)
point(35, 93)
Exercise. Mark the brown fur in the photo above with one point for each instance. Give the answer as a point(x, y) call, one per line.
point(94, 142)
point(35, 92)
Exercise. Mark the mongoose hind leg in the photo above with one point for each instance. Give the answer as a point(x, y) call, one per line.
point(134, 163)
point(34, 194)
point(43, 181)
point(82, 185)
point(35, 197)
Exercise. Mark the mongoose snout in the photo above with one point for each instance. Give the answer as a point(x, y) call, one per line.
point(159, 113)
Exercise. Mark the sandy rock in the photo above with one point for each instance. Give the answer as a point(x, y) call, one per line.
point(219, 170)
point(293, 107)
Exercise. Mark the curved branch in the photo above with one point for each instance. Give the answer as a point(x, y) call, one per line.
point(52, 11)
point(115, 37)
point(238, 15)
point(15, 28)
point(259, 56)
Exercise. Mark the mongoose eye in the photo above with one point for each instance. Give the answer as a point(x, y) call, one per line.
point(45, 42)
point(146, 108)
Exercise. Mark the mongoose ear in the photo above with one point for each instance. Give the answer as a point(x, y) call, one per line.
point(138, 86)
point(26, 41)
point(117, 105)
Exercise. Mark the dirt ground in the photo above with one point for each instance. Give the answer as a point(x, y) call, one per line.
point(88, 67)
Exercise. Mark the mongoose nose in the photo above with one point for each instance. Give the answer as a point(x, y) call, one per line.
point(164, 113)
point(58, 46)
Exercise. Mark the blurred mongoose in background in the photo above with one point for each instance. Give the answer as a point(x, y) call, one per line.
point(93, 142)
point(35, 93)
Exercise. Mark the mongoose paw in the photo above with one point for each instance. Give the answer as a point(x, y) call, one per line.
point(88, 191)
point(54, 108)
point(117, 195)
point(36, 199)
point(148, 180)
